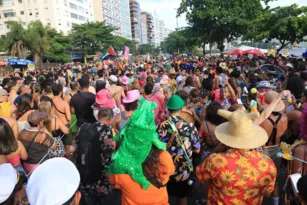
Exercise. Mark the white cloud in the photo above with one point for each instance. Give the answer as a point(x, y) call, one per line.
point(165, 10)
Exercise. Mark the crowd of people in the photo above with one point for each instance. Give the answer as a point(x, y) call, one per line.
point(141, 132)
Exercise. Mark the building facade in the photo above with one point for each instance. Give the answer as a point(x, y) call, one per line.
point(147, 19)
point(59, 14)
point(144, 33)
point(116, 14)
point(135, 16)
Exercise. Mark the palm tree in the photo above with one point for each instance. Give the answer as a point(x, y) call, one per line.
point(38, 41)
point(15, 40)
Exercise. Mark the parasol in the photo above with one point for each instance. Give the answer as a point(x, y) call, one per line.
point(235, 52)
point(255, 52)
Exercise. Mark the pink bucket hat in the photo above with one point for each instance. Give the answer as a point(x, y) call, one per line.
point(103, 99)
point(132, 96)
point(124, 80)
point(143, 75)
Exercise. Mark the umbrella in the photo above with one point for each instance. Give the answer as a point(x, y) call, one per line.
point(235, 52)
point(3, 63)
point(255, 52)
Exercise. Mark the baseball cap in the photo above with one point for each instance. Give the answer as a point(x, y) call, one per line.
point(8, 179)
point(54, 182)
point(35, 117)
point(204, 93)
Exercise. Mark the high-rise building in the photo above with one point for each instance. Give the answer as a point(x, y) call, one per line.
point(144, 33)
point(167, 32)
point(59, 14)
point(147, 19)
point(115, 13)
point(135, 15)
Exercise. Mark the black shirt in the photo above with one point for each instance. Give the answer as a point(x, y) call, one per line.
point(82, 102)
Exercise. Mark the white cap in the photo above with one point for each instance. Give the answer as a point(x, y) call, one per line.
point(113, 78)
point(54, 182)
point(8, 180)
point(179, 78)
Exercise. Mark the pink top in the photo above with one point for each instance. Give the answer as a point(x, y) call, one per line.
point(15, 161)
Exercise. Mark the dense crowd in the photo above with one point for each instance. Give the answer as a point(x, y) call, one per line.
point(140, 132)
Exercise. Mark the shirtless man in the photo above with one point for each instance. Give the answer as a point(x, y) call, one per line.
point(117, 92)
point(61, 109)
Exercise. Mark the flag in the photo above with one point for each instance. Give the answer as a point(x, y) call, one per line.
point(126, 52)
point(108, 53)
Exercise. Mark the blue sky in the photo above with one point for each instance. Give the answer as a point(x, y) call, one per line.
point(165, 9)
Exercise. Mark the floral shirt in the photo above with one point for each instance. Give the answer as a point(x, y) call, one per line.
point(190, 138)
point(103, 186)
point(237, 177)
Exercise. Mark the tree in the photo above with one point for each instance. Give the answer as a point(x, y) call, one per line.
point(59, 45)
point(15, 40)
point(146, 48)
point(215, 21)
point(286, 24)
point(92, 37)
point(37, 40)
point(120, 42)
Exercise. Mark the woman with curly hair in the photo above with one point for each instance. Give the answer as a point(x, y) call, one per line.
point(157, 168)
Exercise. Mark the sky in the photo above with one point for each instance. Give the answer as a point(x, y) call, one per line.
point(166, 9)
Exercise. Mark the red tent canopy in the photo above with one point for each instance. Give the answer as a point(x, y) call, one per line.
point(235, 52)
point(255, 52)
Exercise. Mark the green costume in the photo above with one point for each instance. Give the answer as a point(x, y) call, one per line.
point(136, 140)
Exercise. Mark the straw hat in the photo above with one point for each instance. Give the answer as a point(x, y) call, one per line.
point(265, 99)
point(223, 65)
point(240, 132)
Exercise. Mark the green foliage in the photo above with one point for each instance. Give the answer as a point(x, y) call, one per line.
point(286, 24)
point(92, 37)
point(59, 44)
point(215, 21)
point(147, 48)
point(183, 40)
point(120, 42)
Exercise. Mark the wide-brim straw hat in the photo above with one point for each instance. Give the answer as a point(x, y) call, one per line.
point(264, 100)
point(240, 132)
point(223, 65)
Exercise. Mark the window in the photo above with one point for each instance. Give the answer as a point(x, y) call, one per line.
point(72, 15)
point(22, 12)
point(81, 9)
point(7, 3)
point(73, 6)
point(20, 1)
point(68, 23)
point(73, 24)
point(82, 18)
point(30, 14)
point(9, 14)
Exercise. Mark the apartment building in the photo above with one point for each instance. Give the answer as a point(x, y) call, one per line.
point(59, 14)
point(147, 19)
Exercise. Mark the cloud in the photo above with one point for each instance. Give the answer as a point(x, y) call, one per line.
point(165, 10)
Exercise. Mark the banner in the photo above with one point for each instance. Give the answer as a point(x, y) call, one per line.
point(126, 53)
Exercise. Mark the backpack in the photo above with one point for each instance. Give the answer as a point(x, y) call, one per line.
point(88, 154)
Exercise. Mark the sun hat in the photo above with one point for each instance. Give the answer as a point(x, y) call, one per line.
point(240, 132)
point(84, 81)
point(132, 96)
point(36, 116)
point(3, 92)
point(264, 100)
point(265, 84)
point(223, 65)
point(124, 80)
point(175, 103)
point(113, 78)
point(53, 182)
point(172, 71)
point(103, 99)
point(143, 75)
point(271, 69)
point(8, 179)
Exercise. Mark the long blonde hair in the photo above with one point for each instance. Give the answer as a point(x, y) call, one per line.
point(46, 107)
